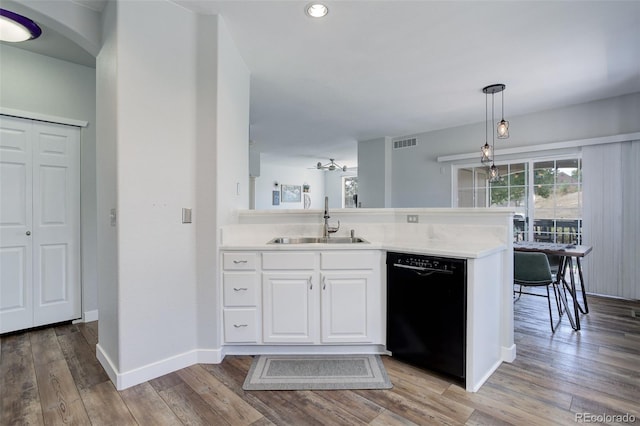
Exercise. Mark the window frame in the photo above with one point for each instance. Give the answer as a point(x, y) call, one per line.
point(530, 161)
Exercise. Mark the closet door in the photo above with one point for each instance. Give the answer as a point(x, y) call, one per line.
point(16, 267)
point(56, 223)
point(40, 259)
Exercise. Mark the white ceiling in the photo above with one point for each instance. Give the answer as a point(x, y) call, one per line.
point(392, 68)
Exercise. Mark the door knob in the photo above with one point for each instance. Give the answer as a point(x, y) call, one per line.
point(28, 233)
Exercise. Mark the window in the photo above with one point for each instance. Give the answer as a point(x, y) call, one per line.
point(545, 194)
point(349, 192)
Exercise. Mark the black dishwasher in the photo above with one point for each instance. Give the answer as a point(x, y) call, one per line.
point(427, 311)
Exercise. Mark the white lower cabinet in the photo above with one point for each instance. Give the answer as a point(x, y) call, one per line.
point(338, 301)
point(289, 302)
point(240, 325)
point(240, 290)
point(350, 308)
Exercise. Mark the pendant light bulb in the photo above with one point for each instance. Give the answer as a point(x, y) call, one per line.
point(485, 150)
point(503, 129)
point(493, 171)
point(503, 125)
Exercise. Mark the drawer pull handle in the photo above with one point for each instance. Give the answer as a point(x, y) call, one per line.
point(240, 289)
point(240, 325)
point(238, 262)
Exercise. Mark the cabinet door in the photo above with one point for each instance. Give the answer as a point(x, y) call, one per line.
point(351, 308)
point(289, 307)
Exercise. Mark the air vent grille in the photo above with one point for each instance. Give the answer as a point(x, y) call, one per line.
point(404, 143)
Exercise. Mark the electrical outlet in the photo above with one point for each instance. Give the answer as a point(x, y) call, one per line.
point(412, 218)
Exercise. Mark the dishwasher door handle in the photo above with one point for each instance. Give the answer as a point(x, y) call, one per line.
point(422, 271)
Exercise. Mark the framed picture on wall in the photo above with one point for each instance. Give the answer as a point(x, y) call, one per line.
point(275, 198)
point(291, 193)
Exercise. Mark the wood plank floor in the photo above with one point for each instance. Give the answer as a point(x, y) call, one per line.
point(51, 376)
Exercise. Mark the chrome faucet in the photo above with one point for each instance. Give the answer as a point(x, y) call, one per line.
point(328, 229)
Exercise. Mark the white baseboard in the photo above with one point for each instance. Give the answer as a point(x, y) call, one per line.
point(474, 387)
point(210, 356)
point(87, 316)
point(90, 316)
point(509, 354)
point(106, 363)
point(156, 369)
point(304, 350)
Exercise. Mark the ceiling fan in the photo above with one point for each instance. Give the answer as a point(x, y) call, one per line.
point(331, 165)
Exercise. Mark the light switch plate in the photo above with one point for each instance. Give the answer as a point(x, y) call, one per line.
point(186, 215)
point(412, 218)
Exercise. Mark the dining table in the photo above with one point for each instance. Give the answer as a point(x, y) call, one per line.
point(566, 254)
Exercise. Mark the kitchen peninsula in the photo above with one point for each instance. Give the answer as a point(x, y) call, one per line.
point(311, 298)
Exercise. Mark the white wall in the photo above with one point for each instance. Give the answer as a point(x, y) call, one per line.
point(156, 99)
point(106, 189)
point(36, 83)
point(375, 173)
point(232, 138)
point(231, 172)
point(272, 170)
point(176, 118)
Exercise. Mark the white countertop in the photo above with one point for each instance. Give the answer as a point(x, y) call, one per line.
point(457, 240)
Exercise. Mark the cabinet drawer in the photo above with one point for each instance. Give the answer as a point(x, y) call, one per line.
point(245, 261)
point(349, 260)
point(240, 326)
point(240, 288)
point(289, 260)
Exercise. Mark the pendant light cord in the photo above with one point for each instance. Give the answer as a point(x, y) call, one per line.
point(486, 118)
point(493, 119)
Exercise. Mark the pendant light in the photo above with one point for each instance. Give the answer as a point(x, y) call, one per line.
point(15, 28)
point(485, 149)
point(494, 173)
point(503, 125)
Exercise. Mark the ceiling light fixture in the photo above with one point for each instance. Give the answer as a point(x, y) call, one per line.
point(332, 165)
point(502, 131)
point(316, 10)
point(15, 28)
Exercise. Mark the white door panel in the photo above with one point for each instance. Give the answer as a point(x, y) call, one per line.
point(16, 292)
point(16, 268)
point(347, 302)
point(39, 223)
point(56, 222)
point(289, 314)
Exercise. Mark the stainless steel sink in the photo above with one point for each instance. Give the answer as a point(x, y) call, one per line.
point(318, 240)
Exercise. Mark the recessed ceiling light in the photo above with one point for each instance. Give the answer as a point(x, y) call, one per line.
point(15, 28)
point(316, 10)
